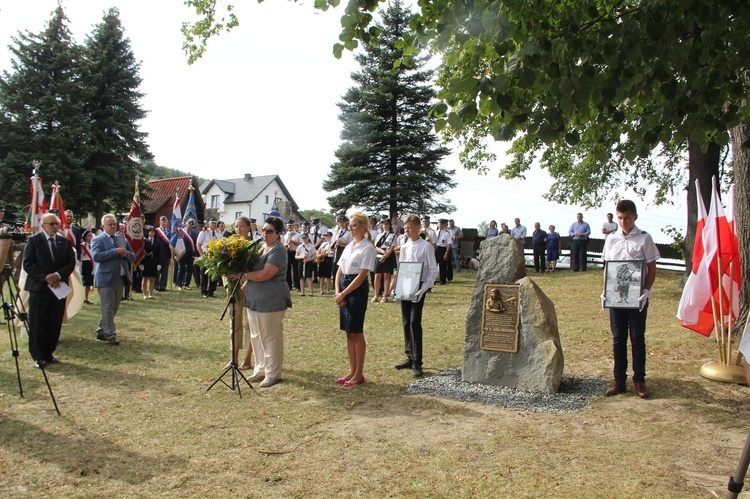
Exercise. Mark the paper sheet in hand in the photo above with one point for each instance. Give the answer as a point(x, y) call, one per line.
point(62, 291)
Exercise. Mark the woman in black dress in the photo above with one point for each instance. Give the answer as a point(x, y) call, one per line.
point(150, 263)
point(87, 264)
point(386, 262)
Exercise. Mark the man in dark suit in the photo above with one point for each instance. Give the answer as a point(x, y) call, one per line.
point(48, 260)
point(76, 231)
point(113, 256)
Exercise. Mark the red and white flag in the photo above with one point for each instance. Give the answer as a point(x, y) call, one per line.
point(56, 203)
point(730, 257)
point(38, 206)
point(694, 310)
point(709, 288)
point(134, 226)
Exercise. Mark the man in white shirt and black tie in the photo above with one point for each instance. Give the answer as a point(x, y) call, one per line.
point(443, 250)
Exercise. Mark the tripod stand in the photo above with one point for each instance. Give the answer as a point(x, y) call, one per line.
point(236, 375)
point(10, 315)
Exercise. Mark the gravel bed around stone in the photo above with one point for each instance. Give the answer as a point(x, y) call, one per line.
point(574, 395)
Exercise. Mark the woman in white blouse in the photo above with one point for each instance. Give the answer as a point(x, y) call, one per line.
point(352, 289)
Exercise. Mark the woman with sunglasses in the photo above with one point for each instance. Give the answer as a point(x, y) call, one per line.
point(266, 299)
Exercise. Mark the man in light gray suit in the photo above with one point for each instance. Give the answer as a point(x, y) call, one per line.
point(113, 256)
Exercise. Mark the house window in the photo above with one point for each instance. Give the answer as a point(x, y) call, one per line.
point(215, 202)
point(237, 215)
point(266, 199)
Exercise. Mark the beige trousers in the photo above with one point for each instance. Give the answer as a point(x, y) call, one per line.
point(267, 339)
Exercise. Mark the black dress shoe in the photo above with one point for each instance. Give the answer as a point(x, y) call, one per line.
point(404, 365)
point(52, 360)
point(40, 364)
point(416, 371)
point(113, 340)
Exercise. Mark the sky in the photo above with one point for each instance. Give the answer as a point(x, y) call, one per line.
point(262, 100)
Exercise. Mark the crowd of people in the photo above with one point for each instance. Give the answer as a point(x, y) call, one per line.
point(343, 261)
point(547, 245)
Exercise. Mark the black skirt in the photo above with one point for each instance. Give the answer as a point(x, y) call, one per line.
point(352, 314)
point(324, 268)
point(387, 266)
point(87, 272)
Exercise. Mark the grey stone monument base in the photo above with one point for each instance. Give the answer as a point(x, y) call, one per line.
point(538, 364)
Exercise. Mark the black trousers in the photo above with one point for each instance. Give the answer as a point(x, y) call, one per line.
point(442, 263)
point(163, 278)
point(539, 263)
point(449, 266)
point(580, 255)
point(185, 271)
point(411, 319)
point(208, 285)
point(629, 323)
point(292, 271)
point(45, 321)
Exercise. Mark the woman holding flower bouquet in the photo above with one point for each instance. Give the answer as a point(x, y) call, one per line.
point(225, 258)
point(241, 328)
point(266, 298)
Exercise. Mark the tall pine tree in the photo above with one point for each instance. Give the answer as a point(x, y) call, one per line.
point(389, 160)
point(42, 115)
point(75, 109)
point(113, 110)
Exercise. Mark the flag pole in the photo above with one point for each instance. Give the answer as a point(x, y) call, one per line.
point(731, 314)
point(716, 327)
point(35, 164)
point(721, 310)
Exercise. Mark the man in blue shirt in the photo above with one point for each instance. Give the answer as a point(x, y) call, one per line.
point(518, 232)
point(579, 233)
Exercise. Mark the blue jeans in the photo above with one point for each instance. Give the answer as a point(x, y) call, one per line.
point(456, 258)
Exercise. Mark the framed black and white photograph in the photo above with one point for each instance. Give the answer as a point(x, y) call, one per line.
point(623, 284)
point(408, 279)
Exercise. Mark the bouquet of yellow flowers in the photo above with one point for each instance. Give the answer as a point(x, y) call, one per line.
point(226, 256)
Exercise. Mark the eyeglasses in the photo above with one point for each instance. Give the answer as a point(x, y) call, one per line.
point(268, 231)
point(51, 223)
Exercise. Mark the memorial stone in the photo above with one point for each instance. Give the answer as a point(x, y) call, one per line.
point(511, 327)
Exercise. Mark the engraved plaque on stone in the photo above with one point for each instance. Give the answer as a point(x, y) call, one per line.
point(501, 316)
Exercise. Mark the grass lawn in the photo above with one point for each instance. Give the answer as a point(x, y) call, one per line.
point(137, 420)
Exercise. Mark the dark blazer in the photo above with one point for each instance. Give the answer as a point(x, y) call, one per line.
point(37, 260)
point(151, 256)
point(77, 233)
point(165, 251)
